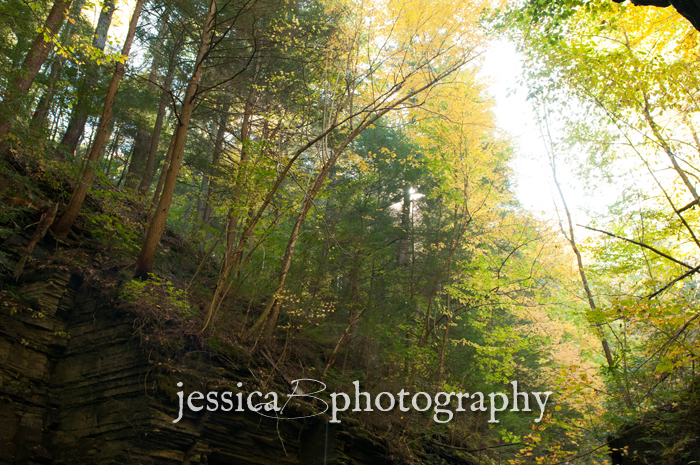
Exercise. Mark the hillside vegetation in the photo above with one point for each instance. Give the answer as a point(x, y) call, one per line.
point(273, 190)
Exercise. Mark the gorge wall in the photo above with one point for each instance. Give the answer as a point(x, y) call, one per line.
point(77, 387)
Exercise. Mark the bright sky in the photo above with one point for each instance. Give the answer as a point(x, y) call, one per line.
point(503, 68)
point(535, 188)
point(120, 21)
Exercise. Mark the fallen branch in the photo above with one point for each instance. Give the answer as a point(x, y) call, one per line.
point(24, 202)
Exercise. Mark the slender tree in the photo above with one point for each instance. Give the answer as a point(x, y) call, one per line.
point(81, 109)
point(35, 58)
point(144, 264)
point(204, 207)
point(142, 139)
point(64, 224)
point(41, 112)
point(165, 98)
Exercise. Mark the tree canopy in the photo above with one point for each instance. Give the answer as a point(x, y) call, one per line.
point(326, 181)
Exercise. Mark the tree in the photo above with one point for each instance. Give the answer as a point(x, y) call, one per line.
point(64, 224)
point(41, 112)
point(144, 264)
point(629, 131)
point(81, 109)
point(35, 58)
point(408, 72)
point(143, 140)
point(165, 97)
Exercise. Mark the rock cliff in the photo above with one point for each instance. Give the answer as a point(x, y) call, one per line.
point(76, 386)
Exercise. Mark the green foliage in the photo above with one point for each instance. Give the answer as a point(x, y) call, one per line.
point(159, 294)
point(116, 230)
point(614, 83)
point(416, 223)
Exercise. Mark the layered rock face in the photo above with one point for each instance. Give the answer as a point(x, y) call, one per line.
point(76, 387)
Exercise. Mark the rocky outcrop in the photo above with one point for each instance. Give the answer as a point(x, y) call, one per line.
point(76, 387)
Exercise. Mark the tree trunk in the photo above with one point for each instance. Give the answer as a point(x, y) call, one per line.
point(204, 209)
point(161, 180)
point(443, 349)
point(76, 201)
point(138, 159)
point(41, 113)
point(579, 262)
point(188, 210)
point(112, 150)
point(36, 57)
point(108, 136)
point(144, 264)
point(402, 252)
point(142, 141)
point(158, 126)
point(238, 188)
point(81, 110)
point(43, 108)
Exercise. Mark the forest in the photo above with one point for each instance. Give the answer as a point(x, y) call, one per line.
point(234, 195)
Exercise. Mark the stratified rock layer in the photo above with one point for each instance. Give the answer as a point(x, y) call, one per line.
point(77, 388)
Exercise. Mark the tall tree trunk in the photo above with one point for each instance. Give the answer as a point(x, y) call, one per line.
point(112, 149)
point(81, 109)
point(329, 221)
point(125, 165)
point(445, 337)
point(191, 203)
point(41, 113)
point(402, 252)
point(43, 108)
point(63, 225)
point(138, 159)
point(204, 208)
point(147, 178)
point(242, 171)
point(108, 136)
point(142, 141)
point(161, 180)
point(144, 264)
point(36, 57)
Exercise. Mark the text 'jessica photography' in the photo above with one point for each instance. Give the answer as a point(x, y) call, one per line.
point(443, 404)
